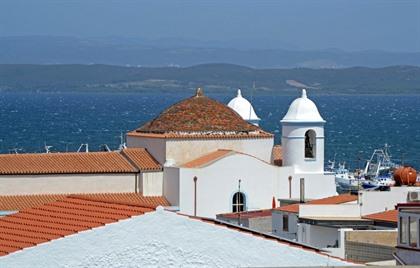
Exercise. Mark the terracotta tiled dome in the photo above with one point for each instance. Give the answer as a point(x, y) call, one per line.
point(198, 114)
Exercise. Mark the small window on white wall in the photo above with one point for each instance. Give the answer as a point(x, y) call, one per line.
point(310, 144)
point(238, 202)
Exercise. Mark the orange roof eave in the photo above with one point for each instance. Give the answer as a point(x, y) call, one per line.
point(260, 135)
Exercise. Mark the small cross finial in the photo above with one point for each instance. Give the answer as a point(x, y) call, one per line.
point(239, 92)
point(199, 92)
point(304, 94)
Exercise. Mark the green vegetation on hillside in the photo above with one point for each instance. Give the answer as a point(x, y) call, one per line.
point(214, 77)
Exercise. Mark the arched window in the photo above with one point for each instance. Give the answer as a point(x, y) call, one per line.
point(310, 144)
point(238, 202)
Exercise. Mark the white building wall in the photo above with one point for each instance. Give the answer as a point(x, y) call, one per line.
point(171, 188)
point(58, 184)
point(338, 210)
point(152, 183)
point(317, 185)
point(218, 182)
point(186, 150)
point(293, 144)
point(373, 202)
point(318, 236)
point(277, 225)
point(156, 147)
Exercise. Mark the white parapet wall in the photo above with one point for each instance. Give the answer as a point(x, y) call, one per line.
point(340, 210)
point(73, 183)
point(373, 202)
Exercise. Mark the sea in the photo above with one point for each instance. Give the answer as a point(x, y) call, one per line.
point(356, 124)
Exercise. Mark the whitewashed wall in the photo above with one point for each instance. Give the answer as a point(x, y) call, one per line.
point(316, 185)
point(277, 225)
point(171, 185)
point(373, 202)
point(338, 210)
point(56, 184)
point(183, 151)
point(318, 236)
point(152, 183)
point(217, 183)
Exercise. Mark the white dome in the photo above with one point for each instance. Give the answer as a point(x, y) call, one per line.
point(303, 110)
point(243, 107)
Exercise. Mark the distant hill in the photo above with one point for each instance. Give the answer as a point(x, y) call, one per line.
point(166, 52)
point(214, 77)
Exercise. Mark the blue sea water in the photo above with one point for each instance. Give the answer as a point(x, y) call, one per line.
point(355, 124)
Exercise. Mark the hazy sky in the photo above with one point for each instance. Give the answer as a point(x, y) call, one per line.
point(349, 25)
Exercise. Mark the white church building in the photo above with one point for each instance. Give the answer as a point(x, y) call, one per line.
point(203, 156)
point(216, 159)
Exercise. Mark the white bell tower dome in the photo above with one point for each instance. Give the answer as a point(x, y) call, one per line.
point(244, 108)
point(303, 136)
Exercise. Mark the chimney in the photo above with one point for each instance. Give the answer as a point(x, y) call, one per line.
point(302, 190)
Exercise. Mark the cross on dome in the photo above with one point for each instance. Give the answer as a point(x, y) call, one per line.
point(302, 110)
point(304, 94)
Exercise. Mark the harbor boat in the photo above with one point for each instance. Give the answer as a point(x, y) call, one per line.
point(378, 172)
point(344, 179)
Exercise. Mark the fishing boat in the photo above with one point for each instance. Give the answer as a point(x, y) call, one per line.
point(344, 179)
point(378, 172)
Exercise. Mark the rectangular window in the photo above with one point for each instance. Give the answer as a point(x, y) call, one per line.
point(413, 232)
point(403, 230)
point(285, 223)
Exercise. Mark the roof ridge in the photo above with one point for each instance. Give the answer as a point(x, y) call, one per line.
point(129, 160)
point(115, 202)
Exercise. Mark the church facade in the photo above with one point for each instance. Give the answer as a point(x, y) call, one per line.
point(216, 159)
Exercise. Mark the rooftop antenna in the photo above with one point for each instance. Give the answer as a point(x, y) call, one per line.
point(252, 98)
point(83, 145)
point(14, 150)
point(123, 144)
point(47, 148)
point(104, 148)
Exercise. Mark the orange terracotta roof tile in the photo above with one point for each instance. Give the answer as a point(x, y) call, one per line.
point(277, 155)
point(198, 114)
point(207, 159)
point(20, 202)
point(248, 214)
point(141, 159)
point(69, 215)
point(385, 216)
point(332, 200)
point(64, 163)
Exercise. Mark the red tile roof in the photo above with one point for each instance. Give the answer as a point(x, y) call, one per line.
point(60, 218)
point(332, 200)
point(202, 116)
point(277, 155)
point(385, 216)
point(208, 158)
point(20, 202)
point(247, 214)
point(141, 159)
point(212, 157)
point(130, 161)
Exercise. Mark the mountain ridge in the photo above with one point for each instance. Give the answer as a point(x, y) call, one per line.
point(216, 78)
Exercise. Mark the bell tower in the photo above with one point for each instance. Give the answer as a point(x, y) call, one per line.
point(303, 136)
